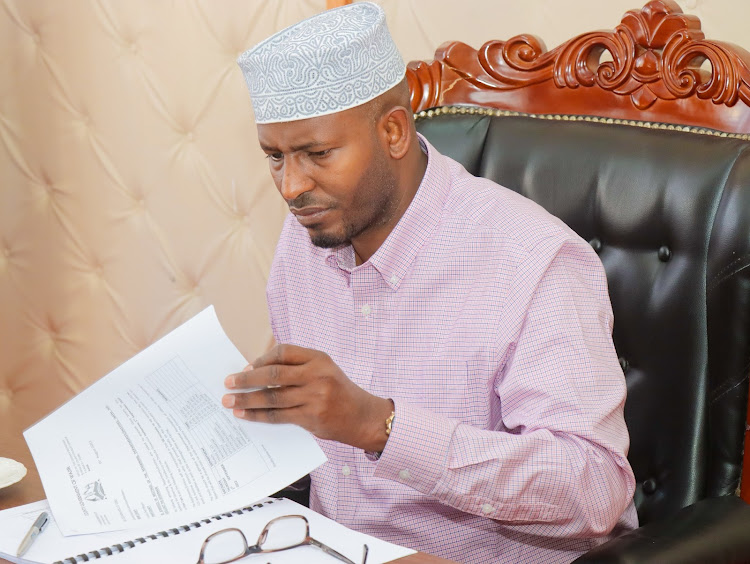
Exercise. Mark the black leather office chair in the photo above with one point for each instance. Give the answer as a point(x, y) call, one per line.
point(668, 210)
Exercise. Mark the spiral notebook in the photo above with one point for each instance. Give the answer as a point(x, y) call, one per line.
point(183, 543)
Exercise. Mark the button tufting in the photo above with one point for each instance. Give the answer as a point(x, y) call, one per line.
point(624, 364)
point(664, 253)
point(596, 244)
point(649, 486)
point(190, 136)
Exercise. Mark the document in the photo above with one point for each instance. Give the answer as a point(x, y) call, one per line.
point(183, 543)
point(150, 442)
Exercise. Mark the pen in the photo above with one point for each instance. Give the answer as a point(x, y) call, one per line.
point(34, 531)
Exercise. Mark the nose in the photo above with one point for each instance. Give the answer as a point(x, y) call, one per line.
point(294, 180)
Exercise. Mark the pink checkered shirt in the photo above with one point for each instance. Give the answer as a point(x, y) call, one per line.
point(488, 323)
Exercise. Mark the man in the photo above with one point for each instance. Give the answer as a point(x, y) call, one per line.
point(446, 340)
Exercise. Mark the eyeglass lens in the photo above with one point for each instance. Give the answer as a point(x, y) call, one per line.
point(284, 532)
point(224, 546)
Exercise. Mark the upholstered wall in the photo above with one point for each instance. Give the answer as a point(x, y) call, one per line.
point(132, 191)
point(419, 26)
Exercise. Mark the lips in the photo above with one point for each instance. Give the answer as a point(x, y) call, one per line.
point(310, 215)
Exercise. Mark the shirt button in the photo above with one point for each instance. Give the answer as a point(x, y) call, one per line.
point(487, 508)
point(404, 475)
point(366, 309)
point(346, 470)
point(394, 279)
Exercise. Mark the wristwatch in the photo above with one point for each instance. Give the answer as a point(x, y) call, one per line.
point(375, 455)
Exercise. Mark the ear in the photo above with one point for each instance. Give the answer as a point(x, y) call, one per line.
point(397, 131)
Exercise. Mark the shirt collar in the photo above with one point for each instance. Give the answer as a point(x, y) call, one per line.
point(397, 253)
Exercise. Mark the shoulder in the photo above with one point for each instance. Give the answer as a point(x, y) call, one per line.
point(481, 208)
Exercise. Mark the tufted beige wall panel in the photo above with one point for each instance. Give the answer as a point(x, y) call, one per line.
point(132, 190)
point(419, 26)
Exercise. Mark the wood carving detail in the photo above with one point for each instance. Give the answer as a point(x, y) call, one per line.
point(656, 53)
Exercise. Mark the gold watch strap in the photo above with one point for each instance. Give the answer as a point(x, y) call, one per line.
point(389, 424)
point(372, 455)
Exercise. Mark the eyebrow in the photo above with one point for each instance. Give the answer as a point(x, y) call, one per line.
point(294, 148)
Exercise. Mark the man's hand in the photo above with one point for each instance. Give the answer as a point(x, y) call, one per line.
point(306, 387)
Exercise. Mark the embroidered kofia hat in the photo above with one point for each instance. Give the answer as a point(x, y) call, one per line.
point(333, 61)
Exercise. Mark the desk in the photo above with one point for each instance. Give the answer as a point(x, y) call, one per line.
point(30, 489)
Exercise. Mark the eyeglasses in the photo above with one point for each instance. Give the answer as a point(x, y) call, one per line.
point(282, 533)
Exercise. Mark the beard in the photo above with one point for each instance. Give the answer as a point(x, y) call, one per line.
point(374, 204)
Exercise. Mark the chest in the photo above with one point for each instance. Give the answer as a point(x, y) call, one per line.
point(436, 338)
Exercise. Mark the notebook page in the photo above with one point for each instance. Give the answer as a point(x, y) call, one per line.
point(51, 546)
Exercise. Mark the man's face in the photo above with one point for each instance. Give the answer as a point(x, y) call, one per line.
point(335, 174)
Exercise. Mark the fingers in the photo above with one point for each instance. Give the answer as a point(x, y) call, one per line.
point(286, 354)
point(270, 405)
point(266, 376)
point(291, 415)
point(292, 384)
point(273, 368)
point(280, 397)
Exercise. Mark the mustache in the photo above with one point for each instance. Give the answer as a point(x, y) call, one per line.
point(306, 200)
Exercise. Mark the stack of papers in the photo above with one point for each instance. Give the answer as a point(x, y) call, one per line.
point(149, 450)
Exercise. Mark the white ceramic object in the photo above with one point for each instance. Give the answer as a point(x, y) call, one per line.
point(11, 471)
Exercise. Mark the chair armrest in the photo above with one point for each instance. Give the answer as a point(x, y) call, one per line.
point(712, 530)
point(299, 491)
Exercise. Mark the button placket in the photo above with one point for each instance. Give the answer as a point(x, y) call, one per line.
point(363, 286)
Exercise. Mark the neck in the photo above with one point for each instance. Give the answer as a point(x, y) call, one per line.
point(413, 166)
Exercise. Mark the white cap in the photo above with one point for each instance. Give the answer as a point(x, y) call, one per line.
point(333, 61)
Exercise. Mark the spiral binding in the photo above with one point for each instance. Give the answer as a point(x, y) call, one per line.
point(121, 547)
